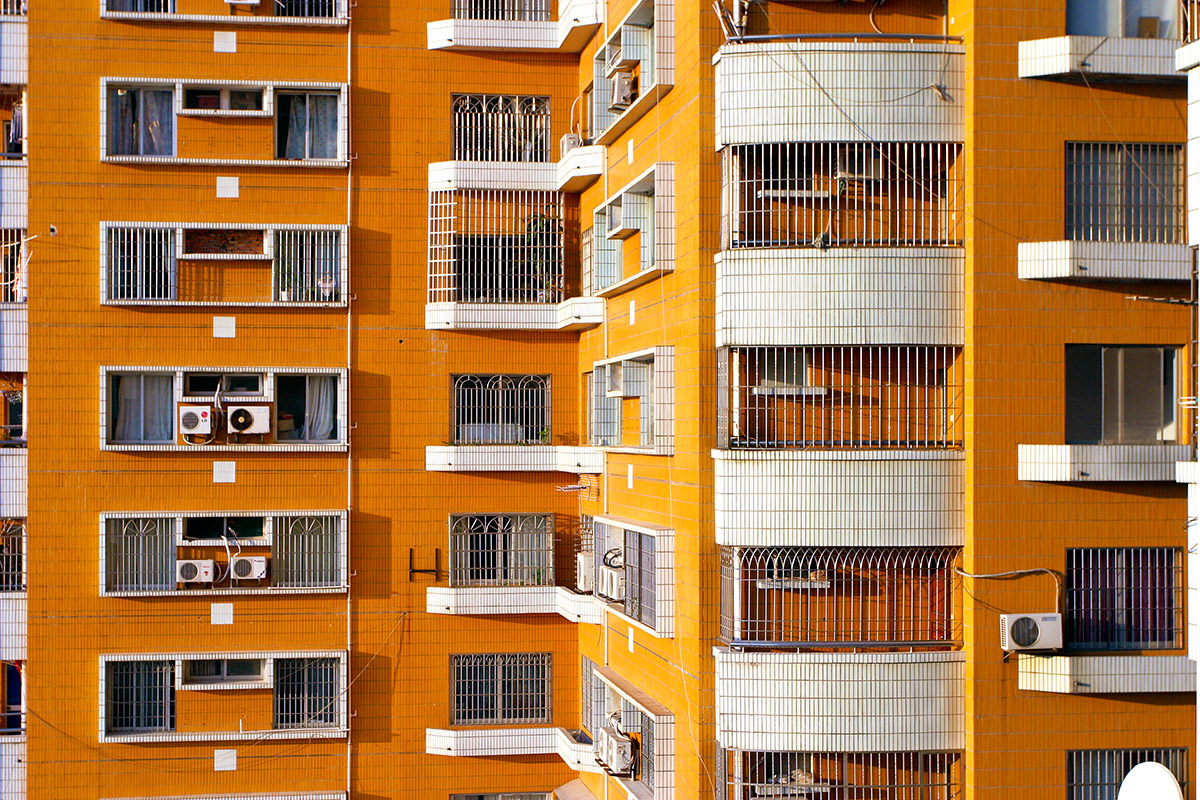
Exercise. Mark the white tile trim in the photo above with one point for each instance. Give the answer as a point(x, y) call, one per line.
point(664, 576)
point(662, 357)
point(1109, 674)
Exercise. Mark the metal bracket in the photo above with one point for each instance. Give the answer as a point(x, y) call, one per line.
point(437, 564)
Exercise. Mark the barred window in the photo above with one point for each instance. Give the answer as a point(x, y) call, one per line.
point(496, 688)
point(639, 576)
point(140, 696)
point(500, 127)
point(141, 264)
point(13, 257)
point(504, 796)
point(307, 693)
point(308, 266)
point(306, 552)
point(1097, 774)
point(502, 550)
point(12, 555)
point(1124, 192)
point(612, 385)
point(1124, 598)
point(139, 555)
point(501, 409)
point(144, 6)
point(604, 411)
point(754, 774)
point(586, 262)
point(306, 8)
point(506, 10)
point(1120, 395)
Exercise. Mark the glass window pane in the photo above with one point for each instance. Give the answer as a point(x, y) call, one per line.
point(1141, 391)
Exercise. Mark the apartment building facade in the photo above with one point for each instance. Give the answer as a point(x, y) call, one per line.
point(582, 399)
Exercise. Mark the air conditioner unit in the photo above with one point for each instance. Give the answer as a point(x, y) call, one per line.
point(1030, 632)
point(585, 565)
point(622, 92)
point(249, 419)
point(618, 228)
point(612, 583)
point(568, 143)
point(195, 570)
point(248, 568)
point(195, 420)
point(615, 750)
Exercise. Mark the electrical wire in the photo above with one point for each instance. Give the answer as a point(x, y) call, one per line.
point(1017, 573)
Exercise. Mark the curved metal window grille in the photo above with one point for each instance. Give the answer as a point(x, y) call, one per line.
point(497, 688)
point(836, 194)
point(502, 550)
point(140, 555)
point(505, 10)
point(494, 127)
point(839, 596)
point(306, 552)
point(848, 776)
point(501, 409)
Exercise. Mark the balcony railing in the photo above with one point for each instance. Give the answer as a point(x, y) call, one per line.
point(839, 397)
point(749, 775)
point(838, 596)
point(13, 258)
point(496, 246)
point(824, 194)
point(502, 550)
point(12, 8)
point(501, 127)
point(501, 409)
point(504, 10)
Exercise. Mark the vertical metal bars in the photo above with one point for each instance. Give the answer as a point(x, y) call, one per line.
point(497, 688)
point(847, 776)
point(605, 410)
point(140, 696)
point(13, 258)
point(831, 194)
point(841, 397)
point(646, 752)
point(1189, 20)
point(1124, 192)
point(307, 693)
point(502, 550)
point(306, 8)
point(141, 264)
point(504, 10)
point(501, 127)
point(306, 552)
point(19, 7)
point(12, 555)
point(1124, 598)
point(839, 596)
point(307, 266)
point(501, 409)
point(640, 583)
point(1097, 774)
point(496, 246)
point(140, 555)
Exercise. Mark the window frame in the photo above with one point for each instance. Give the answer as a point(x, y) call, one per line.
point(1103, 170)
point(500, 703)
point(492, 414)
point(1078, 395)
point(609, 533)
point(471, 566)
point(1122, 761)
point(656, 408)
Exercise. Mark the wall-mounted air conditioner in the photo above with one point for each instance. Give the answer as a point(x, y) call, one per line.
point(248, 568)
point(585, 564)
point(622, 92)
point(612, 583)
point(194, 570)
point(195, 420)
point(615, 751)
point(249, 419)
point(567, 143)
point(1030, 632)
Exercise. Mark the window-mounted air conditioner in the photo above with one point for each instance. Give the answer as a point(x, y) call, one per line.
point(567, 143)
point(194, 570)
point(612, 583)
point(195, 420)
point(614, 750)
point(622, 92)
point(585, 561)
point(1030, 632)
point(618, 225)
point(249, 419)
point(248, 568)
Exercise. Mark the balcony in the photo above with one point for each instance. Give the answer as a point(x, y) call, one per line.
point(575, 750)
point(1082, 463)
point(528, 25)
point(514, 458)
point(580, 167)
point(901, 91)
point(277, 12)
point(632, 238)
point(14, 50)
point(816, 702)
point(1096, 59)
point(1119, 261)
point(753, 774)
point(1123, 674)
point(12, 767)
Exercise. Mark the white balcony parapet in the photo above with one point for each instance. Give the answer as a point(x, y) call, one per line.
point(14, 482)
point(1123, 674)
point(577, 21)
point(527, 175)
point(14, 337)
point(546, 740)
point(1189, 472)
point(779, 92)
point(850, 296)
point(488, 600)
point(513, 458)
point(839, 498)
point(14, 194)
point(14, 50)
point(575, 790)
point(581, 167)
point(1115, 58)
point(840, 702)
point(572, 314)
point(14, 627)
point(12, 767)
point(1122, 261)
point(1062, 463)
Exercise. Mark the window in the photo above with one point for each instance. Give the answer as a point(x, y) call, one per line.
point(12, 265)
point(496, 688)
point(639, 577)
point(143, 6)
point(12, 556)
point(306, 125)
point(140, 696)
point(223, 670)
point(1097, 774)
point(631, 401)
point(307, 408)
point(308, 266)
point(1120, 395)
point(1143, 19)
point(141, 264)
point(501, 409)
point(307, 693)
point(1124, 192)
point(306, 8)
point(509, 10)
point(592, 695)
point(207, 384)
point(14, 699)
point(1124, 598)
point(754, 773)
point(141, 122)
point(306, 552)
point(491, 127)
point(141, 408)
point(504, 796)
point(223, 99)
point(502, 550)
point(212, 528)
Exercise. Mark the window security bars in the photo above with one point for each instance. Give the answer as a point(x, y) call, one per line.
point(141, 264)
point(20, 7)
point(839, 397)
point(501, 127)
point(13, 258)
point(306, 552)
point(838, 596)
point(842, 194)
point(496, 246)
point(501, 409)
point(847, 776)
point(640, 581)
point(1189, 20)
point(1124, 598)
point(140, 555)
point(307, 693)
point(307, 266)
point(646, 751)
point(587, 262)
point(502, 550)
point(1097, 774)
point(140, 696)
point(1124, 192)
point(506, 10)
point(503, 796)
point(143, 6)
point(497, 688)
point(12, 556)
point(605, 416)
point(306, 8)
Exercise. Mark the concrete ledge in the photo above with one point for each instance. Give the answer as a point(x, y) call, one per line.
point(1187, 472)
point(1074, 463)
point(577, 21)
point(513, 458)
point(581, 167)
point(572, 314)
point(1129, 261)
point(1118, 58)
point(547, 740)
point(1126, 674)
point(528, 175)
point(488, 600)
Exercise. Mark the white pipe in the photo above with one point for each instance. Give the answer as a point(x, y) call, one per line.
point(346, 391)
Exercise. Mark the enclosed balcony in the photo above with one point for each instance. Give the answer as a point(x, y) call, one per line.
point(753, 774)
point(545, 25)
point(1109, 40)
point(267, 12)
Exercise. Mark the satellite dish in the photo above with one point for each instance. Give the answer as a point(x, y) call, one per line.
point(1150, 781)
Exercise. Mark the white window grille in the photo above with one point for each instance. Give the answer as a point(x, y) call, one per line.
point(502, 550)
point(1120, 395)
point(591, 698)
point(755, 774)
point(307, 266)
point(501, 688)
point(605, 416)
point(20, 7)
point(141, 264)
point(307, 693)
point(505, 10)
point(501, 127)
point(141, 122)
point(14, 257)
point(12, 555)
point(645, 377)
point(140, 696)
point(839, 397)
point(306, 8)
point(496, 246)
point(835, 194)
point(137, 6)
point(1124, 192)
point(306, 125)
point(306, 552)
point(1097, 774)
point(640, 581)
point(839, 596)
point(140, 555)
point(587, 266)
point(141, 408)
point(501, 409)
point(1124, 598)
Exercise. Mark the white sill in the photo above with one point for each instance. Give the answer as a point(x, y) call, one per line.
point(227, 591)
point(225, 736)
point(1115, 59)
point(646, 101)
point(306, 163)
point(223, 112)
point(1131, 673)
point(146, 16)
point(619, 610)
point(220, 303)
point(633, 281)
point(282, 447)
point(1076, 463)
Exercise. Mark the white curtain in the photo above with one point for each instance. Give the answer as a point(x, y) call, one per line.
point(144, 408)
point(297, 126)
point(320, 408)
point(323, 124)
